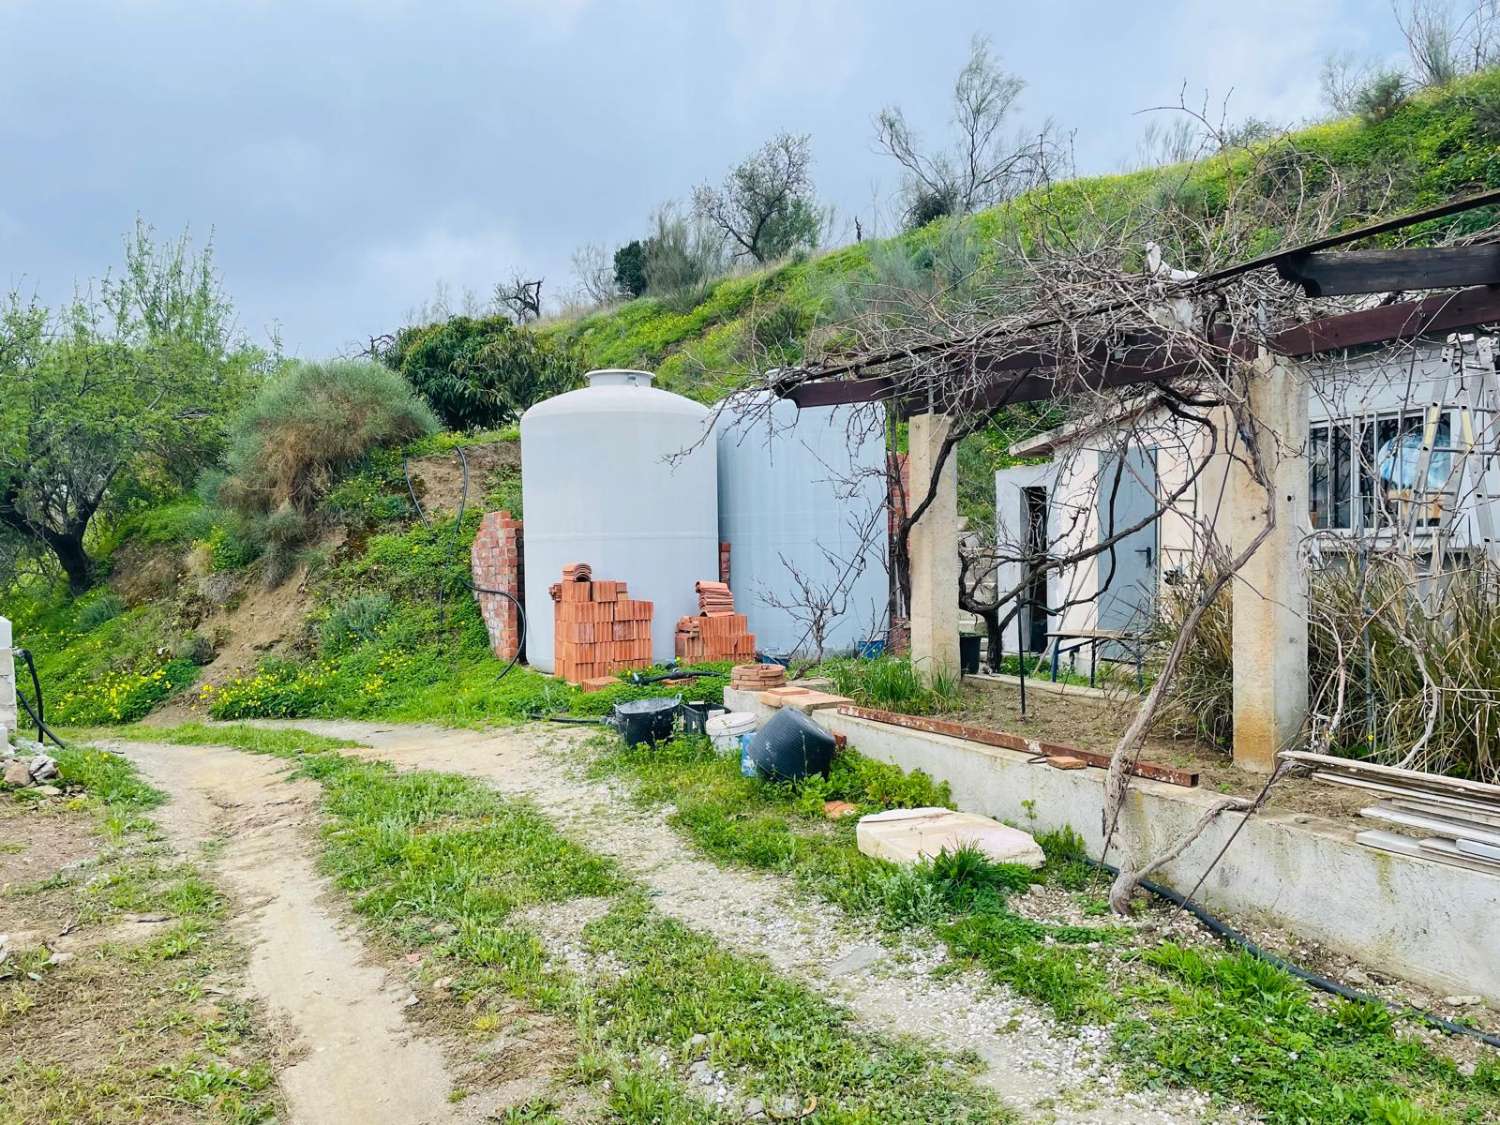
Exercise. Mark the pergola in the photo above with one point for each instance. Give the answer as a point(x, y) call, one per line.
point(1008, 366)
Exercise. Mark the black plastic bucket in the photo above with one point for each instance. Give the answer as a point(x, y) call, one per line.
point(968, 653)
point(791, 746)
point(646, 720)
point(696, 713)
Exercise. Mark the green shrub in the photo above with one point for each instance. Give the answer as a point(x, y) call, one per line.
point(195, 649)
point(354, 622)
point(227, 548)
point(98, 610)
point(1381, 96)
point(630, 268)
point(310, 423)
point(283, 534)
point(482, 373)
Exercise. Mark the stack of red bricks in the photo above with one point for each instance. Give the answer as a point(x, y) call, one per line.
point(495, 561)
point(598, 630)
point(724, 563)
point(717, 633)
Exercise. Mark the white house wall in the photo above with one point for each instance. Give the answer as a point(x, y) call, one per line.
point(1073, 507)
point(1366, 383)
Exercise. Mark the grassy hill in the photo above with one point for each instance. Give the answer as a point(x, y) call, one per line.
point(1439, 144)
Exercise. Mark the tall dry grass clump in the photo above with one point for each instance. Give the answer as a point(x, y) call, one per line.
point(1420, 686)
point(311, 422)
point(1404, 668)
point(1200, 700)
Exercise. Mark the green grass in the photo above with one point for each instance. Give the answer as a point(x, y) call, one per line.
point(278, 741)
point(893, 683)
point(1240, 1027)
point(167, 1041)
point(97, 663)
point(1220, 1022)
point(445, 863)
point(419, 660)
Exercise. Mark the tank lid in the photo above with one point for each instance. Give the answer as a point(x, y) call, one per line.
point(618, 377)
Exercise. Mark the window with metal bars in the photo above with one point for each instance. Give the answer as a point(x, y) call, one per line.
point(1363, 471)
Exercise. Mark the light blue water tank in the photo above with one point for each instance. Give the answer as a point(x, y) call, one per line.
point(598, 486)
point(805, 490)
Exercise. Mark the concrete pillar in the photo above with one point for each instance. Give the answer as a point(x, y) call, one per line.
point(7, 684)
point(933, 546)
point(1270, 591)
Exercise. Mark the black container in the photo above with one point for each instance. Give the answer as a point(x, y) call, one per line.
point(645, 720)
point(791, 746)
point(968, 654)
point(696, 713)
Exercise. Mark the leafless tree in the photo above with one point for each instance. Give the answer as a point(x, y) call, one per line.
point(984, 165)
point(814, 603)
point(1177, 140)
point(520, 298)
point(594, 268)
point(1432, 41)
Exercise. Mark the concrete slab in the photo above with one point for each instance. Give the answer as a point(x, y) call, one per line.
point(812, 701)
point(911, 835)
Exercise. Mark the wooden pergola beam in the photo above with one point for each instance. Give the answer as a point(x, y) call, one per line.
point(1029, 374)
point(1331, 273)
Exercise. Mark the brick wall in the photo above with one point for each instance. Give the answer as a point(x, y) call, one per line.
point(496, 564)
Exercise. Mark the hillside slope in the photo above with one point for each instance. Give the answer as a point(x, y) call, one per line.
point(1439, 144)
point(377, 621)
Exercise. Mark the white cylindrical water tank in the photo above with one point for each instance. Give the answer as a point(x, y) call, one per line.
point(618, 475)
point(803, 493)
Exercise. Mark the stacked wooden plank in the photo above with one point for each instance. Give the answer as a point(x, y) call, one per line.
point(1457, 821)
point(757, 677)
point(598, 629)
point(717, 632)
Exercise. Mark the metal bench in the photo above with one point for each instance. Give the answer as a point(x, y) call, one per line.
point(1091, 639)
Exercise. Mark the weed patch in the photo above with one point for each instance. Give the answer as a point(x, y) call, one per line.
point(892, 683)
point(126, 1030)
point(1224, 1023)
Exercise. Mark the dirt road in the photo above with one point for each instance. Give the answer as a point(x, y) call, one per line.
point(357, 1057)
point(308, 969)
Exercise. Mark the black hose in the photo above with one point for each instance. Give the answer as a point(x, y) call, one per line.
point(671, 674)
point(1228, 933)
point(39, 714)
point(463, 502)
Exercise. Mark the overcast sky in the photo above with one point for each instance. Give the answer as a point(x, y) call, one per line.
point(349, 156)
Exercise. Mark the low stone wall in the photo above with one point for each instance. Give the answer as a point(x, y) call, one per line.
point(1430, 922)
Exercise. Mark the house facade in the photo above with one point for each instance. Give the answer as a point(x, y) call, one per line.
point(1400, 455)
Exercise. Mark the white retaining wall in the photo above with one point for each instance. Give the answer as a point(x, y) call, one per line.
point(1430, 922)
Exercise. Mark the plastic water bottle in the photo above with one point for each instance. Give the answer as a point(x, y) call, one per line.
point(747, 766)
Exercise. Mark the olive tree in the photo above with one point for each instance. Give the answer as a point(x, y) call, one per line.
point(122, 394)
point(765, 207)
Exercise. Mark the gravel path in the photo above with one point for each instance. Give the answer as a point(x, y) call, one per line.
point(1046, 1072)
